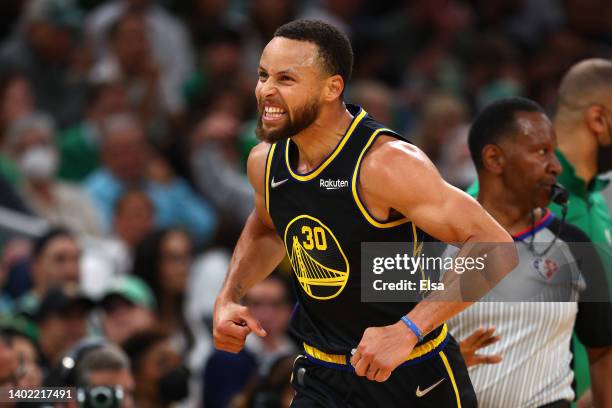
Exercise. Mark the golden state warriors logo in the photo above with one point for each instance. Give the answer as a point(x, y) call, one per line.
point(317, 258)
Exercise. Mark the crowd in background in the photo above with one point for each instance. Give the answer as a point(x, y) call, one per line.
point(124, 131)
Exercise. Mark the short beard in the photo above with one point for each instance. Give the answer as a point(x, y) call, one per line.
point(304, 118)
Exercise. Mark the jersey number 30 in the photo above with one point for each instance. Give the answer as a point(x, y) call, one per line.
point(315, 237)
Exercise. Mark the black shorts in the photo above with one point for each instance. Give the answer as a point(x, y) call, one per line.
point(439, 381)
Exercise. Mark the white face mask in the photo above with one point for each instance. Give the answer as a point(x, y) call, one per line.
point(39, 163)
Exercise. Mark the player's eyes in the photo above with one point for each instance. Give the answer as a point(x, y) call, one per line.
point(262, 76)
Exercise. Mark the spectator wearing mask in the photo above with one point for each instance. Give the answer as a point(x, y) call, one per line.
point(43, 47)
point(30, 142)
point(128, 307)
point(128, 163)
point(160, 377)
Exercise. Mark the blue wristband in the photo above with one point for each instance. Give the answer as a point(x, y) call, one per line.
point(412, 327)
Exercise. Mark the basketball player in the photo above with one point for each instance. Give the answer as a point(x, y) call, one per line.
point(513, 137)
point(327, 177)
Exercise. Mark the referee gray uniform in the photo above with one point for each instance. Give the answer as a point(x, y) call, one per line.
point(535, 335)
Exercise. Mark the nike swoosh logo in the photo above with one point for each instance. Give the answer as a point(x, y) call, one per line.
point(278, 183)
point(420, 393)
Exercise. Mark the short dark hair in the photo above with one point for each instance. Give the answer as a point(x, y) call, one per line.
point(139, 344)
point(495, 121)
point(41, 243)
point(334, 48)
point(108, 357)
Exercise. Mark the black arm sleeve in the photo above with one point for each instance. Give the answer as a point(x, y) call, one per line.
point(594, 319)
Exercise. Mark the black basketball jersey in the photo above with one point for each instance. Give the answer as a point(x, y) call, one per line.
point(322, 222)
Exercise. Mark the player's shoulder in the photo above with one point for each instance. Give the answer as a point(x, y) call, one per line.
point(256, 164)
point(391, 155)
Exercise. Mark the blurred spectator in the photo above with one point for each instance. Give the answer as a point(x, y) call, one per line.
point(264, 17)
point(16, 99)
point(157, 368)
point(163, 260)
point(42, 47)
point(151, 94)
point(272, 391)
point(441, 115)
point(425, 32)
point(128, 163)
point(339, 13)
point(169, 42)
point(16, 332)
point(375, 97)
point(9, 199)
point(30, 142)
point(524, 21)
point(217, 169)
point(9, 364)
point(134, 215)
point(270, 303)
point(220, 67)
point(106, 366)
point(80, 144)
point(111, 257)
point(128, 307)
point(55, 262)
point(202, 16)
point(62, 321)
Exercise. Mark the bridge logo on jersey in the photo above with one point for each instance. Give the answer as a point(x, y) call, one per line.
point(319, 263)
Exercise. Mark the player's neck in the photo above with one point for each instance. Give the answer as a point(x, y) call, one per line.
point(319, 140)
point(582, 156)
point(505, 207)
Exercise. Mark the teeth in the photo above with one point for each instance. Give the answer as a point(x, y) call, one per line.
point(273, 110)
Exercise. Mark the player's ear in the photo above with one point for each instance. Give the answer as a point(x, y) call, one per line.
point(493, 158)
point(333, 88)
point(595, 119)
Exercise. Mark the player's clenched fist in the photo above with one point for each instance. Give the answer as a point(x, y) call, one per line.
point(232, 323)
point(381, 350)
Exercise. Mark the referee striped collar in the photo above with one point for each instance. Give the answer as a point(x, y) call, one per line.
point(541, 224)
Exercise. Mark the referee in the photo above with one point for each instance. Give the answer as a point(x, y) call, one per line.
point(513, 147)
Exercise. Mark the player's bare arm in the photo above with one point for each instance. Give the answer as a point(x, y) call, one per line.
point(437, 208)
point(600, 359)
point(258, 251)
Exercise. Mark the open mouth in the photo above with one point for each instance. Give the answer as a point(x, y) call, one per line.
point(272, 114)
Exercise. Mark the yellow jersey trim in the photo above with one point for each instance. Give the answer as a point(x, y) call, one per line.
point(452, 377)
point(356, 197)
point(417, 352)
point(318, 170)
point(267, 177)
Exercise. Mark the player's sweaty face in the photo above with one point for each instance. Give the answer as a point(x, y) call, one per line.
point(288, 90)
point(532, 167)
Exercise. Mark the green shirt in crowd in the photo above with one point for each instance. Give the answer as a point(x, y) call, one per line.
point(79, 150)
